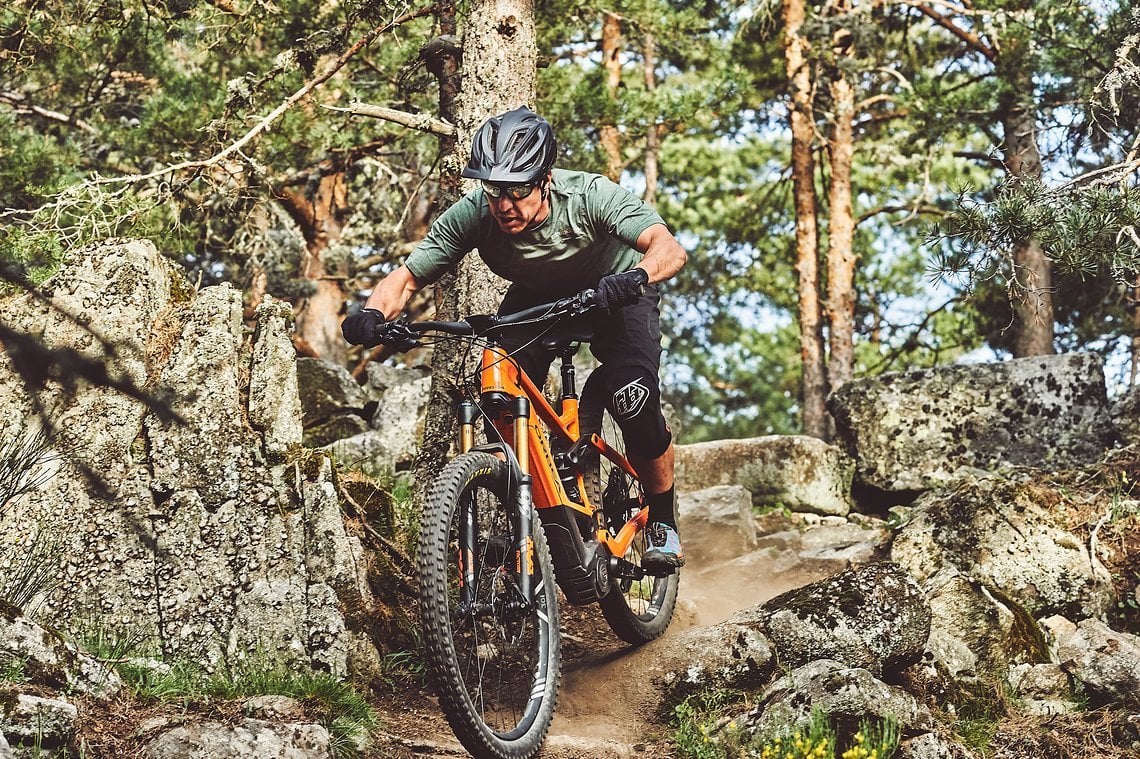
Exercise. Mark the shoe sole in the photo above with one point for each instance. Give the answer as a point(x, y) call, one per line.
point(661, 566)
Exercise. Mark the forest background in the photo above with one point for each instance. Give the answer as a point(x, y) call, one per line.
point(862, 186)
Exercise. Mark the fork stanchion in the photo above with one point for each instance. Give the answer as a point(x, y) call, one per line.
point(524, 503)
point(468, 411)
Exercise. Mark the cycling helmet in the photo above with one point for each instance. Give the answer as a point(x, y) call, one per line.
point(515, 148)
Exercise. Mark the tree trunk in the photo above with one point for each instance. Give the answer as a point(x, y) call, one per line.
point(1134, 370)
point(841, 257)
point(320, 216)
point(807, 255)
point(498, 74)
point(1032, 283)
point(653, 135)
point(611, 60)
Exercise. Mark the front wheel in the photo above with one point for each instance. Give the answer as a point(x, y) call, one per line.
point(637, 610)
point(494, 659)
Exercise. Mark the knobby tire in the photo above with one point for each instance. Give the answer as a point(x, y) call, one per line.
point(496, 669)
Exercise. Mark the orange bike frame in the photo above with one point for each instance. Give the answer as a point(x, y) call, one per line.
point(500, 373)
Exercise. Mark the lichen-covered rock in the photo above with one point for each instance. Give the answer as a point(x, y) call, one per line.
point(796, 471)
point(326, 390)
point(728, 655)
point(274, 403)
point(1005, 535)
point(914, 430)
point(43, 726)
point(1105, 661)
point(874, 617)
point(48, 661)
point(717, 523)
point(845, 694)
point(399, 420)
point(932, 746)
point(333, 429)
point(250, 738)
point(211, 533)
point(1043, 689)
point(974, 634)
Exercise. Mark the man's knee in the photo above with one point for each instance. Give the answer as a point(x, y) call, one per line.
point(634, 400)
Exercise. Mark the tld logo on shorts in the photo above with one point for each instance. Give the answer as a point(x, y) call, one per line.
point(629, 400)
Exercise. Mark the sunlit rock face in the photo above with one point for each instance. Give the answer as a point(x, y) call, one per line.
point(913, 430)
point(207, 530)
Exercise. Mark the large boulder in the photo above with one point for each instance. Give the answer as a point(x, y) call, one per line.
point(249, 738)
point(206, 529)
point(848, 695)
point(974, 635)
point(717, 524)
point(47, 661)
point(1105, 661)
point(798, 472)
point(913, 430)
point(874, 617)
point(1006, 535)
point(327, 390)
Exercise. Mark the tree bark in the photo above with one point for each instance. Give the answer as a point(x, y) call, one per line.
point(320, 214)
point(653, 134)
point(611, 61)
point(813, 418)
point(497, 74)
point(1032, 277)
point(841, 258)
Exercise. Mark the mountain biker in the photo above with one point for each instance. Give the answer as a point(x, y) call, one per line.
point(552, 233)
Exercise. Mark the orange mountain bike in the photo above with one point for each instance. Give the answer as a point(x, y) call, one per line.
point(551, 499)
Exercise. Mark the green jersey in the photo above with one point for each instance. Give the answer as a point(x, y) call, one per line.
point(590, 232)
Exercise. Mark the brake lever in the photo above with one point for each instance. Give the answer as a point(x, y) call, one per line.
point(398, 335)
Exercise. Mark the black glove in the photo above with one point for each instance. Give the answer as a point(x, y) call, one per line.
point(622, 289)
point(360, 328)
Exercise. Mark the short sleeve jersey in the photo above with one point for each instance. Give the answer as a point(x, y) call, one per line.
point(590, 232)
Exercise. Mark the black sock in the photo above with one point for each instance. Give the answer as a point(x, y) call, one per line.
point(661, 508)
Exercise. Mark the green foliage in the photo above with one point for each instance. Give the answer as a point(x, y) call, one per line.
point(114, 90)
point(29, 564)
point(13, 669)
point(696, 722)
point(979, 711)
point(343, 711)
point(703, 729)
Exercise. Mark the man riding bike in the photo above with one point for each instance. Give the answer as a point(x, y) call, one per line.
point(552, 233)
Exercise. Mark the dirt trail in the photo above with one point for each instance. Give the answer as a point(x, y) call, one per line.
point(603, 712)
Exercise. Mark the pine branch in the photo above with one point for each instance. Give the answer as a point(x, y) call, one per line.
point(420, 121)
point(20, 105)
point(972, 41)
point(268, 121)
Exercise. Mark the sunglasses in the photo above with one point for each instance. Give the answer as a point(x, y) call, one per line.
point(515, 192)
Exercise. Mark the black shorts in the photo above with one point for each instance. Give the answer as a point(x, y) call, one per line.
point(627, 343)
point(624, 338)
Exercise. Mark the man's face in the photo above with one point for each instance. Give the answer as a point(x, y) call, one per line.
point(514, 214)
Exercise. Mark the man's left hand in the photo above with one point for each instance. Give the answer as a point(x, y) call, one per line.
point(622, 289)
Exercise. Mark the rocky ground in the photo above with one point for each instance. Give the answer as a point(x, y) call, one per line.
point(599, 712)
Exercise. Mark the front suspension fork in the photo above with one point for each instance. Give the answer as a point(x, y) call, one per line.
point(521, 505)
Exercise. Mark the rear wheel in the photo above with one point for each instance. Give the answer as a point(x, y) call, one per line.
point(637, 610)
point(495, 662)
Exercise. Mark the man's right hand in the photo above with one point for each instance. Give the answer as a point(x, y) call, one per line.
point(361, 327)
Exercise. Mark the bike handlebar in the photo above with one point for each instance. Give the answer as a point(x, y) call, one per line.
point(404, 334)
